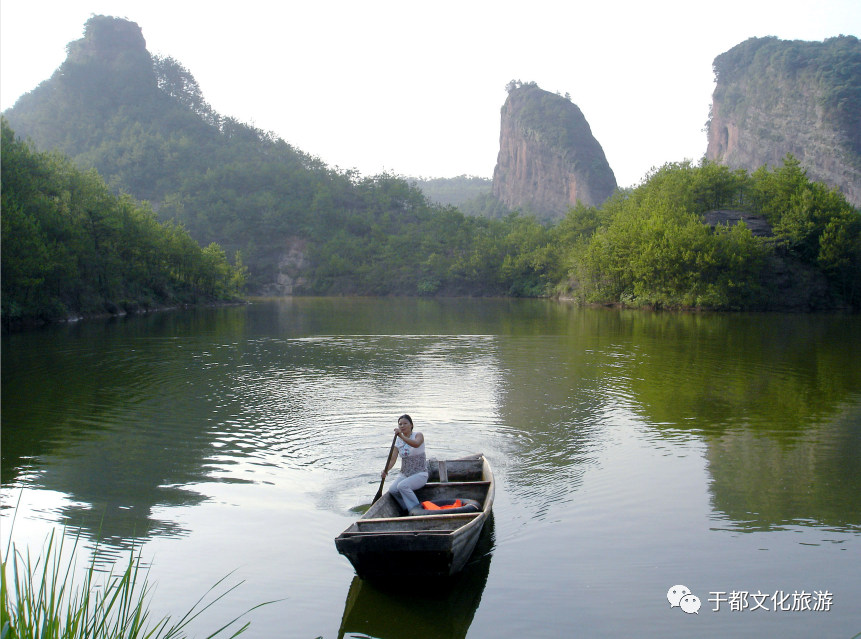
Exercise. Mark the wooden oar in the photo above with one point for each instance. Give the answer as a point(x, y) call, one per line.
point(383, 480)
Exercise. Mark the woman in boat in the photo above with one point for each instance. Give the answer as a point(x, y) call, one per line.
point(410, 446)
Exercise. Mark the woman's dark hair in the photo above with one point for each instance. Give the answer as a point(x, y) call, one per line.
point(406, 417)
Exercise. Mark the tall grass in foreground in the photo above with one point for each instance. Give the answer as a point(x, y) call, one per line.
point(43, 601)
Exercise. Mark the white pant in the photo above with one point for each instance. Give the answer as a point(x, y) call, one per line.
point(403, 489)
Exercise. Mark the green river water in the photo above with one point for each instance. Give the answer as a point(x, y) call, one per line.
point(633, 452)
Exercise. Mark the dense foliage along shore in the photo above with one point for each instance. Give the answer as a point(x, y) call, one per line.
point(650, 246)
point(70, 247)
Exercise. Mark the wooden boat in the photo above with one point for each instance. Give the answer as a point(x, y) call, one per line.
point(383, 542)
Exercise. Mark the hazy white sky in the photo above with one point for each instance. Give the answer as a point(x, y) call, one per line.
point(416, 87)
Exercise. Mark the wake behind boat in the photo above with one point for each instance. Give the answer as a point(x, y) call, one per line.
point(383, 542)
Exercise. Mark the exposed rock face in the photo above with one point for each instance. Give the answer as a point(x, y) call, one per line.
point(776, 97)
point(548, 158)
point(109, 38)
point(292, 262)
point(758, 225)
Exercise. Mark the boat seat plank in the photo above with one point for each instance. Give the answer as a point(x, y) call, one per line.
point(443, 472)
point(466, 469)
point(456, 484)
point(399, 533)
point(380, 520)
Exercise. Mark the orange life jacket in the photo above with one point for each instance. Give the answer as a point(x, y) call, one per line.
point(429, 505)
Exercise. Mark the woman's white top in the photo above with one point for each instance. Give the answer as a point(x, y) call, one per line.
point(413, 460)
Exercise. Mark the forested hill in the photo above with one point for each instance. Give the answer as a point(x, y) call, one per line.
point(143, 123)
point(301, 226)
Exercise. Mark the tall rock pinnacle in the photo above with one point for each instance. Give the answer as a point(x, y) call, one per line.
point(548, 158)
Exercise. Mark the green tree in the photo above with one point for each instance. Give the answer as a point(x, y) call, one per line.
point(70, 246)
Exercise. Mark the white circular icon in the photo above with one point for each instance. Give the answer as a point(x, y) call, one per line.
point(690, 604)
point(675, 594)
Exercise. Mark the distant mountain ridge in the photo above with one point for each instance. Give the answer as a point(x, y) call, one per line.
point(471, 194)
point(452, 191)
point(774, 97)
point(548, 158)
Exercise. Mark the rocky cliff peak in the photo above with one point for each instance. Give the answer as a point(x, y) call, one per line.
point(108, 38)
point(548, 158)
point(111, 56)
point(774, 97)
